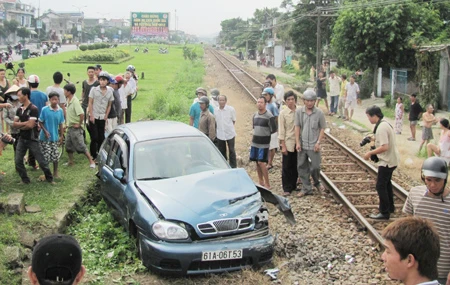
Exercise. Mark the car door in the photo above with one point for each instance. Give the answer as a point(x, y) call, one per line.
point(114, 174)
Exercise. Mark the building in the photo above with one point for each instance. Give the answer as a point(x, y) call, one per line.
point(18, 11)
point(60, 25)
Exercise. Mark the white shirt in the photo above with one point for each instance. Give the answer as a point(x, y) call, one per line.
point(214, 103)
point(352, 91)
point(132, 85)
point(60, 91)
point(225, 119)
point(335, 88)
point(279, 93)
point(123, 97)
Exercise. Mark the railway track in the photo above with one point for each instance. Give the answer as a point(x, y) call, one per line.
point(350, 179)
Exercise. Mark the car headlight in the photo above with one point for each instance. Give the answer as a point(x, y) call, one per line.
point(169, 231)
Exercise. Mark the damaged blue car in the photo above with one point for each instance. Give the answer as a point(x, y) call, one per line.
point(190, 213)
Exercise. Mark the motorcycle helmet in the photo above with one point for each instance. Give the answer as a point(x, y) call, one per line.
point(131, 68)
point(201, 90)
point(204, 100)
point(435, 167)
point(104, 74)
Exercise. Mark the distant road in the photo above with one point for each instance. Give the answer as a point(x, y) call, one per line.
point(32, 47)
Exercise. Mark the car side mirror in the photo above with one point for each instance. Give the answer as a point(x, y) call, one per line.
point(119, 174)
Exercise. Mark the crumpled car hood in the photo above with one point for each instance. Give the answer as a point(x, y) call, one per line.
point(204, 196)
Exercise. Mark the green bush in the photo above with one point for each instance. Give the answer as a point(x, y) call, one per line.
point(91, 47)
point(101, 55)
point(388, 101)
point(83, 47)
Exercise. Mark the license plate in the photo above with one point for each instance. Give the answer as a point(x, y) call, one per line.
point(222, 255)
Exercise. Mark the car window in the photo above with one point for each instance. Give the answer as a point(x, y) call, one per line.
point(173, 157)
point(105, 149)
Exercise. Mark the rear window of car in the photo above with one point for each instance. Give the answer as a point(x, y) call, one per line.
point(173, 157)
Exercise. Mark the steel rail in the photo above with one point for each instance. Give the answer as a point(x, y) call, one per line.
point(217, 55)
point(399, 192)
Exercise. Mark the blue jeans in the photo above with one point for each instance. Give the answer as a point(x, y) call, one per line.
point(334, 104)
point(22, 147)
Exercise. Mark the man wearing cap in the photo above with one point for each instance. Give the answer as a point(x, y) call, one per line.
point(278, 89)
point(195, 111)
point(25, 121)
point(40, 100)
point(116, 107)
point(207, 122)
point(75, 119)
point(431, 201)
point(214, 98)
point(123, 98)
point(10, 113)
point(56, 259)
point(269, 94)
point(100, 101)
point(225, 119)
point(309, 132)
point(97, 70)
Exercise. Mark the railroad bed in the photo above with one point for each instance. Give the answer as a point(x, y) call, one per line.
point(350, 179)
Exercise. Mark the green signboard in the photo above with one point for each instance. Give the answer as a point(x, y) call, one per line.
point(145, 24)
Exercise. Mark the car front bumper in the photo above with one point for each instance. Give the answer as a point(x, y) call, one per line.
point(185, 258)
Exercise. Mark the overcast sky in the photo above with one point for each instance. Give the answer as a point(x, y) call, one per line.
point(198, 17)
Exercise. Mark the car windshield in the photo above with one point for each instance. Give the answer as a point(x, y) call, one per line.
point(173, 157)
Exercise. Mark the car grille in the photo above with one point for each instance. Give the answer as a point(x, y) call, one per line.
point(220, 264)
point(223, 226)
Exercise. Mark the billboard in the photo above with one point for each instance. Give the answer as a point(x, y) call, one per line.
point(145, 24)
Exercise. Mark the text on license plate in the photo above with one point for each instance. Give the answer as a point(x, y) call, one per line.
point(222, 254)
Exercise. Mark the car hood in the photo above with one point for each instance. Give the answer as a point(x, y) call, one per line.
point(204, 196)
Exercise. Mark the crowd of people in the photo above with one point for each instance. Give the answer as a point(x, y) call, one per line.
point(37, 122)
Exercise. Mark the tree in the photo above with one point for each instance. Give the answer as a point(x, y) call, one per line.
point(304, 30)
point(23, 32)
point(383, 36)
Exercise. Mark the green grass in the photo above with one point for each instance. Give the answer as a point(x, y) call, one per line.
point(165, 92)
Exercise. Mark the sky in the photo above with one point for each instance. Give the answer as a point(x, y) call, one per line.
point(198, 17)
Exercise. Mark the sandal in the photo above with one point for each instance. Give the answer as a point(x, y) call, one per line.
point(285, 194)
point(269, 167)
point(302, 194)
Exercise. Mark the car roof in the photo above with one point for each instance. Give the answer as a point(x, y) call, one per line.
point(151, 130)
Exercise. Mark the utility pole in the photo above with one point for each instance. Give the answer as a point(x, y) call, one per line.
point(318, 43)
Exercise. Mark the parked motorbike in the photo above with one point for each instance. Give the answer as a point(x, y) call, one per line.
point(55, 49)
point(136, 49)
point(163, 50)
point(145, 50)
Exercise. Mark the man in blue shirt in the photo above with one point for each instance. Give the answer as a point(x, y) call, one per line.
point(40, 100)
point(51, 121)
point(195, 111)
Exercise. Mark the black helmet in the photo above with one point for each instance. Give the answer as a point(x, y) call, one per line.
point(435, 167)
point(204, 100)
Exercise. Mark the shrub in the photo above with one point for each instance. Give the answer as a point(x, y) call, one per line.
point(91, 47)
point(101, 55)
point(83, 47)
point(388, 101)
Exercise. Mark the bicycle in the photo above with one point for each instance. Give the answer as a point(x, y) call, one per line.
point(11, 72)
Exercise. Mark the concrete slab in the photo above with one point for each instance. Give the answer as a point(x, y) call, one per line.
point(15, 204)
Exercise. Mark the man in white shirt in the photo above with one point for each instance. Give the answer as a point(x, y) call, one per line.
point(278, 89)
point(335, 89)
point(225, 120)
point(351, 95)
